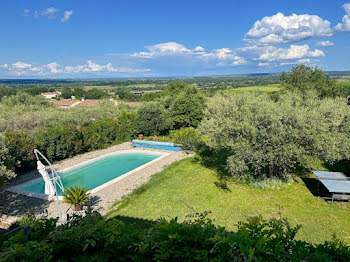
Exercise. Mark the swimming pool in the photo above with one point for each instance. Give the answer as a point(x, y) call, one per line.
point(96, 173)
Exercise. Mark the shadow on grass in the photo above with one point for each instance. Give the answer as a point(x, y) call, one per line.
point(316, 188)
point(341, 166)
point(215, 160)
point(136, 223)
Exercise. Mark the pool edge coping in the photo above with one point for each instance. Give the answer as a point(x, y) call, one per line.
point(18, 190)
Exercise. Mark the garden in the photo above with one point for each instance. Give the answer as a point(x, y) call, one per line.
point(249, 187)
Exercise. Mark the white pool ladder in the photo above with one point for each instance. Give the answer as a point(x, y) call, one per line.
point(52, 179)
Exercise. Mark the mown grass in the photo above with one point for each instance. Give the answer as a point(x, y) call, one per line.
point(265, 88)
point(188, 183)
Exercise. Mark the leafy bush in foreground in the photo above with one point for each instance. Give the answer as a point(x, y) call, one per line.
point(95, 238)
point(6, 162)
point(268, 139)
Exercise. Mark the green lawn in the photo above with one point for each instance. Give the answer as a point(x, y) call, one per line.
point(194, 184)
point(266, 88)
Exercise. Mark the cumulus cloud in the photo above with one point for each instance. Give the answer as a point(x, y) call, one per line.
point(294, 52)
point(50, 12)
point(163, 49)
point(66, 15)
point(325, 43)
point(172, 49)
point(25, 69)
point(54, 68)
point(21, 65)
point(281, 29)
point(345, 24)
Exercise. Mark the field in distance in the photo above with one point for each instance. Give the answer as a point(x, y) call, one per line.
point(262, 88)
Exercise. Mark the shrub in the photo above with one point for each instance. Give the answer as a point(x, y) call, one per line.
point(76, 196)
point(21, 147)
point(6, 162)
point(60, 142)
point(188, 137)
point(127, 126)
point(153, 119)
point(95, 238)
point(268, 139)
point(25, 99)
point(99, 134)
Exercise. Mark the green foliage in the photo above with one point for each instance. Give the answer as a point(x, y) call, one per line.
point(7, 92)
point(153, 119)
point(188, 137)
point(76, 196)
point(268, 139)
point(127, 126)
point(66, 93)
point(21, 147)
point(304, 78)
point(93, 93)
point(60, 142)
point(99, 134)
point(6, 162)
point(24, 99)
point(94, 238)
point(187, 108)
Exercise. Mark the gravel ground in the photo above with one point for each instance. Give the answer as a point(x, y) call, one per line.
point(13, 206)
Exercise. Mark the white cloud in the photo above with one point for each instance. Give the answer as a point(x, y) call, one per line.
point(36, 14)
point(54, 68)
point(26, 69)
point(198, 49)
point(281, 29)
point(74, 69)
point(26, 12)
point(263, 64)
point(50, 12)
point(21, 65)
point(304, 61)
point(66, 15)
point(294, 52)
point(325, 43)
point(163, 49)
point(221, 56)
point(345, 24)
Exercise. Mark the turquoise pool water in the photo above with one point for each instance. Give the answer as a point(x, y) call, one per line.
point(96, 173)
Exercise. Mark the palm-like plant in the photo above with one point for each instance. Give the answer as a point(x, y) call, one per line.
point(76, 196)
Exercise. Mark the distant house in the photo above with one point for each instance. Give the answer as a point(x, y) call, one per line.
point(50, 95)
point(137, 92)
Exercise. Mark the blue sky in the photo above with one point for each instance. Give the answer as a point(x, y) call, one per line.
point(78, 39)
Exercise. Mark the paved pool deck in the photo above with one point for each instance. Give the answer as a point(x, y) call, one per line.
point(14, 205)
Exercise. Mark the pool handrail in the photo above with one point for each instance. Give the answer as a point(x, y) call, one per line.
point(54, 178)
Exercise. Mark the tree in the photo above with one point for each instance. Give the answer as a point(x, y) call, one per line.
point(24, 99)
point(153, 119)
point(6, 162)
point(127, 126)
point(66, 93)
point(304, 78)
point(267, 139)
point(187, 108)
